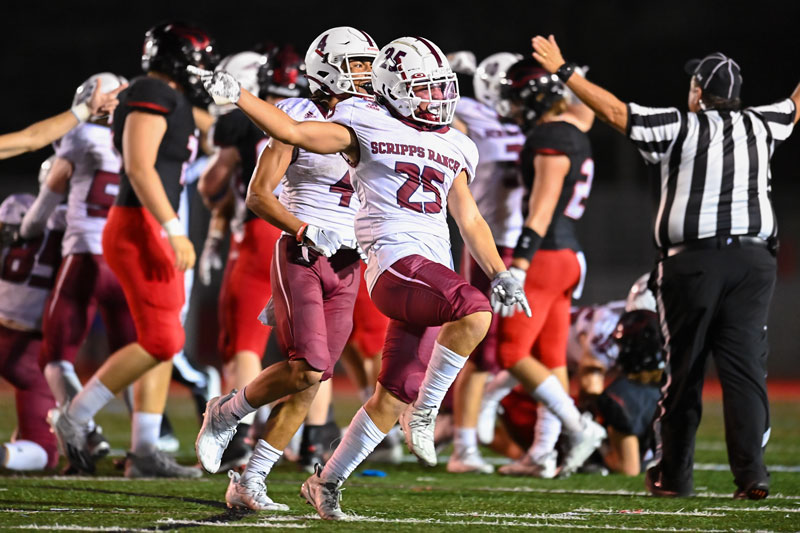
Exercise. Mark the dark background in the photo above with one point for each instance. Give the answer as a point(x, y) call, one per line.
point(635, 49)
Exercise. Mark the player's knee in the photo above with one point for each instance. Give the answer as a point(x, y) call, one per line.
point(476, 325)
point(304, 376)
point(163, 343)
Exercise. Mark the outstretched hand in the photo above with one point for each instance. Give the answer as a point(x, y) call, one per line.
point(546, 52)
point(104, 103)
point(221, 85)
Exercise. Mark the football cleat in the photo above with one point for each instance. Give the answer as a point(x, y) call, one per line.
point(168, 443)
point(71, 437)
point(654, 483)
point(97, 444)
point(325, 496)
point(157, 464)
point(756, 491)
point(418, 426)
point(543, 467)
point(215, 434)
point(250, 493)
point(237, 453)
point(582, 445)
point(468, 460)
point(487, 418)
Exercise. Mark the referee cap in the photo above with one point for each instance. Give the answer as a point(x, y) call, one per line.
point(717, 74)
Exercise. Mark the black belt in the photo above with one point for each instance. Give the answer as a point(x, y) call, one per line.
point(720, 243)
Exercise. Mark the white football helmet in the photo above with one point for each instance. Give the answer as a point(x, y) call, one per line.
point(109, 82)
point(14, 208)
point(328, 60)
point(640, 297)
point(244, 67)
point(488, 78)
point(412, 71)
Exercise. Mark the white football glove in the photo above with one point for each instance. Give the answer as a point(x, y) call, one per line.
point(221, 85)
point(324, 241)
point(508, 294)
point(211, 257)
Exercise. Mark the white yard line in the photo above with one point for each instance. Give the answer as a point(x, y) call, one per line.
point(602, 492)
point(57, 527)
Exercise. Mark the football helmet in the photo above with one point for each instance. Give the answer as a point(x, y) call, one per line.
point(109, 82)
point(412, 75)
point(532, 88)
point(244, 66)
point(488, 78)
point(172, 46)
point(282, 74)
point(12, 210)
point(640, 296)
point(641, 347)
point(328, 60)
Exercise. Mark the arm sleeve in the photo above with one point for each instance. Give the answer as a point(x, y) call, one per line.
point(778, 117)
point(35, 219)
point(653, 130)
point(151, 96)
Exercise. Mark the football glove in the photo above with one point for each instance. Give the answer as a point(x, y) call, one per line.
point(211, 257)
point(508, 295)
point(323, 241)
point(221, 85)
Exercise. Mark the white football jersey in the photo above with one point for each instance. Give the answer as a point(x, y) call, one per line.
point(27, 273)
point(402, 180)
point(317, 188)
point(93, 186)
point(497, 187)
point(597, 322)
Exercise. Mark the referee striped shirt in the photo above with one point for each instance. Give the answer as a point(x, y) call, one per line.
point(714, 166)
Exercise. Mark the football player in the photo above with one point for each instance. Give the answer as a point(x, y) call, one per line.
point(498, 192)
point(27, 272)
point(409, 166)
point(48, 130)
point(314, 282)
point(246, 287)
point(146, 245)
point(86, 163)
point(557, 171)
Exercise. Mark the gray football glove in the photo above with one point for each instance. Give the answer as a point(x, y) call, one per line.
point(221, 85)
point(508, 294)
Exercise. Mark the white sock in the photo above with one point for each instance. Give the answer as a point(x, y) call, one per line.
point(552, 394)
point(24, 455)
point(442, 370)
point(62, 380)
point(89, 401)
point(465, 438)
point(261, 462)
point(499, 387)
point(546, 432)
point(145, 430)
point(248, 419)
point(361, 437)
point(236, 408)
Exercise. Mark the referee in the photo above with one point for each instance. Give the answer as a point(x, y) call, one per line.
point(717, 235)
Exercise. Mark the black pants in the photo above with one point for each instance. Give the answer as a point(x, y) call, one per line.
point(715, 301)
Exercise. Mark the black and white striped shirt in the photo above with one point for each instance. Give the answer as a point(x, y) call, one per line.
point(715, 173)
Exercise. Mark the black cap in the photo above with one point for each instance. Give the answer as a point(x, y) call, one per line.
point(717, 74)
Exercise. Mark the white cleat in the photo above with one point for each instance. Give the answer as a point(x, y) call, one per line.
point(250, 494)
point(582, 445)
point(215, 434)
point(71, 437)
point(325, 496)
point(487, 418)
point(418, 426)
point(542, 467)
point(468, 460)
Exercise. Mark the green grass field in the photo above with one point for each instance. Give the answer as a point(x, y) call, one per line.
point(410, 497)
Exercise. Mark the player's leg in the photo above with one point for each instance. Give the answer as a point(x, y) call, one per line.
point(740, 350)
point(312, 444)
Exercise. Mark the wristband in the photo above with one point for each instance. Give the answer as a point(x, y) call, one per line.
point(174, 228)
point(301, 233)
point(565, 71)
point(527, 244)
point(81, 111)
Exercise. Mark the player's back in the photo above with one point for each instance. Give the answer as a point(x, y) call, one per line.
point(317, 188)
point(561, 138)
point(497, 186)
point(93, 186)
point(402, 180)
point(28, 270)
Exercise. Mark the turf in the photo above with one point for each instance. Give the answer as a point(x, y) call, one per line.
point(410, 497)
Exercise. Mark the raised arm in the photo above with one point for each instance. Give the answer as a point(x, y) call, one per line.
point(45, 131)
point(141, 138)
point(608, 107)
point(51, 194)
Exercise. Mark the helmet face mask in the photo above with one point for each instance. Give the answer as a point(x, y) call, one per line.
point(170, 47)
point(412, 75)
point(328, 61)
point(489, 77)
point(529, 92)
